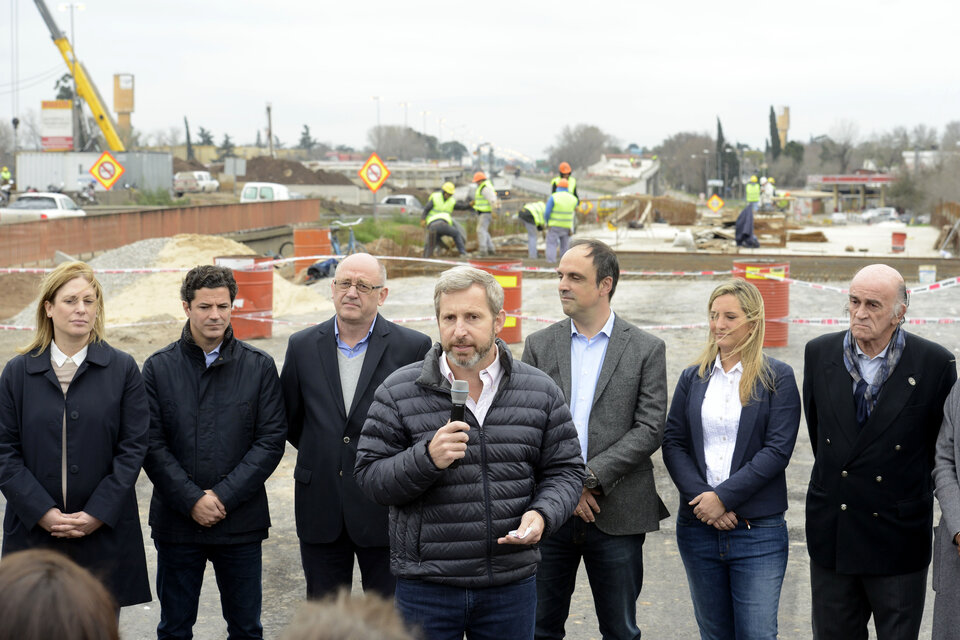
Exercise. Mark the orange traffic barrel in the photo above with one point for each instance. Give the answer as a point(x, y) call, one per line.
point(253, 307)
point(310, 242)
point(899, 242)
point(775, 294)
point(507, 273)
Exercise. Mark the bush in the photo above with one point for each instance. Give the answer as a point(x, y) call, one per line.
point(159, 197)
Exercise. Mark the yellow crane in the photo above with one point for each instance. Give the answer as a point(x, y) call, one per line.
point(86, 89)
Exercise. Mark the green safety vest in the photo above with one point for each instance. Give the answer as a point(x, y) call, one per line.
point(442, 208)
point(564, 204)
point(536, 210)
point(753, 192)
point(481, 204)
point(571, 187)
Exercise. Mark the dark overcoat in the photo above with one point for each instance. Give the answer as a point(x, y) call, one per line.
point(325, 432)
point(107, 423)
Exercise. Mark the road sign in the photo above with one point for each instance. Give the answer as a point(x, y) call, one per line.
point(374, 173)
point(107, 170)
point(715, 203)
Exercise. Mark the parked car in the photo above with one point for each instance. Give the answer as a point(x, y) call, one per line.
point(883, 214)
point(40, 206)
point(400, 203)
point(194, 182)
point(265, 192)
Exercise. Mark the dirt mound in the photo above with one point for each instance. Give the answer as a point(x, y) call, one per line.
point(19, 290)
point(266, 169)
point(187, 165)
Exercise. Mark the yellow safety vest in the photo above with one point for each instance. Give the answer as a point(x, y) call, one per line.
point(536, 210)
point(442, 208)
point(753, 192)
point(564, 204)
point(481, 204)
point(571, 186)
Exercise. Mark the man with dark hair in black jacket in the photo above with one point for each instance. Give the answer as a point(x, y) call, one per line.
point(469, 499)
point(217, 432)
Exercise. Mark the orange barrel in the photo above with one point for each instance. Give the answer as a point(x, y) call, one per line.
point(899, 241)
point(310, 242)
point(775, 294)
point(511, 279)
point(254, 296)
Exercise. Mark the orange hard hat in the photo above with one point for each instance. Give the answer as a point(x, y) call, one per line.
point(565, 167)
point(479, 176)
point(564, 183)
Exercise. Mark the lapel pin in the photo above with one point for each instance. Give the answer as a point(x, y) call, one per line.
point(912, 382)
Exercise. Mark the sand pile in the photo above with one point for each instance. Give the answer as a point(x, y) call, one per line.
point(267, 169)
point(156, 296)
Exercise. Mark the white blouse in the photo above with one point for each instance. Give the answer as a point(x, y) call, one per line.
point(720, 416)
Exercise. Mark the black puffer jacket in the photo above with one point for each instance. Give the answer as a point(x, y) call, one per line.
point(444, 524)
point(220, 427)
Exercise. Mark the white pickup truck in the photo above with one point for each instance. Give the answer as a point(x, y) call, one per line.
point(194, 182)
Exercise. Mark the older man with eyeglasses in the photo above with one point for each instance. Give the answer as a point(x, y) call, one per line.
point(329, 375)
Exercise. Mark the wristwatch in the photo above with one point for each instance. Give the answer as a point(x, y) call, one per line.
point(592, 481)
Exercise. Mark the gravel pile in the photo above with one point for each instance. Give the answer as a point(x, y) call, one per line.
point(132, 256)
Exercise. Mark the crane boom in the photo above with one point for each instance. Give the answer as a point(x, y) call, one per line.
point(86, 89)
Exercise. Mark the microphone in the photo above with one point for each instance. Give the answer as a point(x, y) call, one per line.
point(458, 394)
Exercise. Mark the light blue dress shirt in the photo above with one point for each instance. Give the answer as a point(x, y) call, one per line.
point(359, 348)
point(213, 355)
point(586, 360)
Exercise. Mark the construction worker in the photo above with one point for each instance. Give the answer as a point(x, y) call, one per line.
point(753, 194)
point(558, 215)
point(531, 215)
point(565, 171)
point(5, 176)
point(439, 221)
point(484, 200)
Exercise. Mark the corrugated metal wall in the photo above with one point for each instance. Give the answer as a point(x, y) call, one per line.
point(30, 243)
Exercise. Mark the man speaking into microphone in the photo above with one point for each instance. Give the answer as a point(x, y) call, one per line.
point(462, 537)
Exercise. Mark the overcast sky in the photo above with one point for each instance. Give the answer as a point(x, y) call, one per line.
point(511, 73)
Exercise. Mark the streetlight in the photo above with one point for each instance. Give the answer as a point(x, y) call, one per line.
point(424, 114)
point(405, 105)
point(377, 98)
point(79, 6)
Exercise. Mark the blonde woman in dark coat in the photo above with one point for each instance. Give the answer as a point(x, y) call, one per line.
point(73, 436)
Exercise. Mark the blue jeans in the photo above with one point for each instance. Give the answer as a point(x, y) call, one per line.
point(179, 578)
point(490, 613)
point(614, 566)
point(735, 576)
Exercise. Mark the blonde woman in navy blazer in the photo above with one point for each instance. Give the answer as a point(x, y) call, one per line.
point(729, 435)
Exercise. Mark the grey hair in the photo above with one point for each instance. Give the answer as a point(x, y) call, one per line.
point(461, 278)
point(903, 298)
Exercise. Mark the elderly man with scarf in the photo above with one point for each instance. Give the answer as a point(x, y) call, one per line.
point(873, 398)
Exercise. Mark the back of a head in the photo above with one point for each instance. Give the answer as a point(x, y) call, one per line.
point(45, 595)
point(344, 617)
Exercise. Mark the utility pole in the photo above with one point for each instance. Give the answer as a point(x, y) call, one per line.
point(76, 110)
point(270, 130)
point(377, 98)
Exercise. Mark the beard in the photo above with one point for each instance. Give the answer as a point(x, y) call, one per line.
point(468, 362)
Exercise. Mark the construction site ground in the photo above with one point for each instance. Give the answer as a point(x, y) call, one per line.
point(671, 307)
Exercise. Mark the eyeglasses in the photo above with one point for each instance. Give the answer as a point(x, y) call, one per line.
point(362, 287)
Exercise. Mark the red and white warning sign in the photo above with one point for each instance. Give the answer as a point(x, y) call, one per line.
point(374, 173)
point(107, 170)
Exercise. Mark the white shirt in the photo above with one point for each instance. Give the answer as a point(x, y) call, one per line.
point(59, 357)
point(720, 415)
point(490, 377)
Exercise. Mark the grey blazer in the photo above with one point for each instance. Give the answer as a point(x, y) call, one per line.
point(946, 562)
point(626, 420)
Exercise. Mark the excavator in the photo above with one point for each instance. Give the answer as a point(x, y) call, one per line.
point(86, 89)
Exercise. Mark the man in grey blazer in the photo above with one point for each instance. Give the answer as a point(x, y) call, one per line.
point(613, 376)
